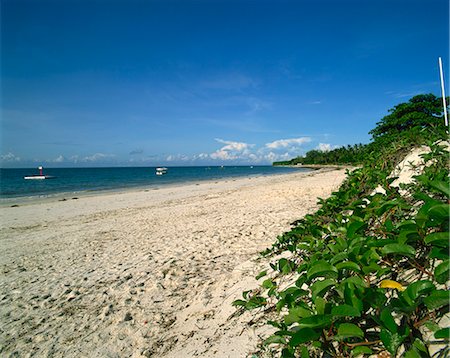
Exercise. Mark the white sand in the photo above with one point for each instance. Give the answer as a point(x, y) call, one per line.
point(144, 273)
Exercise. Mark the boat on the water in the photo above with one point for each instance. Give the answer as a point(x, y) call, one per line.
point(39, 176)
point(161, 171)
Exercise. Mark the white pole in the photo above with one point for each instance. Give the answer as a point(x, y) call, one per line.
point(443, 92)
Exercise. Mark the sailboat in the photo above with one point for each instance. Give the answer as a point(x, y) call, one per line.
point(161, 171)
point(39, 176)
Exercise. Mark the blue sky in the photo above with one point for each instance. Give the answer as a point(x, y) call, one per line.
point(106, 83)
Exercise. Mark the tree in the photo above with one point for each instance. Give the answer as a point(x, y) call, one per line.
point(422, 111)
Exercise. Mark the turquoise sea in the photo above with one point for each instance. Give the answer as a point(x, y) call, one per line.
point(82, 180)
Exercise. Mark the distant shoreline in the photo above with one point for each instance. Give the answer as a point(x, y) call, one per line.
point(74, 182)
point(74, 195)
point(319, 166)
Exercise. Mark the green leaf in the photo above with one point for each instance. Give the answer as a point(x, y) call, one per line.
point(432, 326)
point(439, 253)
point(361, 350)
point(316, 321)
point(268, 283)
point(261, 274)
point(373, 267)
point(351, 298)
point(354, 228)
point(356, 280)
point(305, 353)
point(319, 288)
point(348, 330)
point(392, 340)
point(337, 245)
point(417, 289)
point(422, 217)
point(439, 212)
point(304, 335)
point(441, 186)
point(407, 225)
point(437, 299)
point(375, 297)
point(274, 339)
point(287, 353)
point(370, 256)
point(388, 321)
point(418, 350)
point(300, 281)
point(442, 272)
point(399, 249)
point(338, 257)
point(408, 235)
point(381, 242)
point(320, 305)
point(412, 353)
point(295, 313)
point(440, 239)
point(420, 346)
point(280, 304)
point(239, 303)
point(292, 293)
point(389, 225)
point(443, 333)
point(285, 266)
point(386, 206)
point(348, 265)
point(255, 302)
point(345, 311)
point(321, 269)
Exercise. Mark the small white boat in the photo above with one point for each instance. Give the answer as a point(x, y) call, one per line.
point(161, 171)
point(39, 176)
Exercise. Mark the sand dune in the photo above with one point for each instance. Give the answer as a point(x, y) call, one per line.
point(147, 272)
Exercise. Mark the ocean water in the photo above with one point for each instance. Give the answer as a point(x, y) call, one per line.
point(82, 180)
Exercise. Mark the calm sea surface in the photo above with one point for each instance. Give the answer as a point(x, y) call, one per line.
point(80, 180)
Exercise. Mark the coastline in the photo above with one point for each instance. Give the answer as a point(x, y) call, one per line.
point(145, 272)
point(67, 195)
point(320, 166)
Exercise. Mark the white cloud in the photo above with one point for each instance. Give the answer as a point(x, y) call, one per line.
point(270, 156)
point(97, 156)
point(177, 157)
point(256, 105)
point(136, 151)
point(234, 146)
point(201, 156)
point(276, 157)
point(231, 150)
point(242, 152)
point(9, 157)
point(286, 143)
point(75, 158)
point(222, 155)
point(59, 159)
point(325, 147)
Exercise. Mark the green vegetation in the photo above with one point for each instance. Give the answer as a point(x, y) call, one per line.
point(344, 155)
point(405, 120)
point(368, 272)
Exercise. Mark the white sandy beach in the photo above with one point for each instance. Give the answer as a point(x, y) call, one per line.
point(145, 272)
